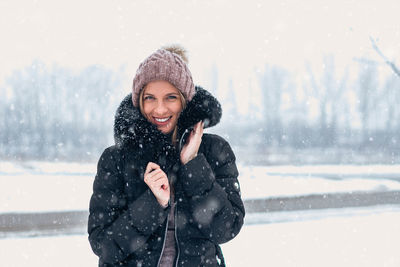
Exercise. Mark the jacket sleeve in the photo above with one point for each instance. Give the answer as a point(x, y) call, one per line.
point(117, 228)
point(213, 190)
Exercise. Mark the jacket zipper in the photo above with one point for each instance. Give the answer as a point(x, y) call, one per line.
point(176, 235)
point(165, 239)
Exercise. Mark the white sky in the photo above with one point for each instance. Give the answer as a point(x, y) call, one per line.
point(238, 36)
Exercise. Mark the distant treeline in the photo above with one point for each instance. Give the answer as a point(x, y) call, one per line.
point(323, 111)
point(55, 113)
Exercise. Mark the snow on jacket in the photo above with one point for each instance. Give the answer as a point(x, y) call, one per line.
point(127, 225)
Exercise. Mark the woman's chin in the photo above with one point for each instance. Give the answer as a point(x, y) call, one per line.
point(165, 130)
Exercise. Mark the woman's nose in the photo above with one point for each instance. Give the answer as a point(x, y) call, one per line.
point(161, 108)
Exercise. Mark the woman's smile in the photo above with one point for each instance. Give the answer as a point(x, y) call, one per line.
point(161, 122)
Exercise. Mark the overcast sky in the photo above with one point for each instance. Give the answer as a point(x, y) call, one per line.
point(238, 36)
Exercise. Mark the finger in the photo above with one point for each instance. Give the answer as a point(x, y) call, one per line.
point(198, 132)
point(190, 137)
point(151, 166)
point(153, 176)
point(158, 177)
point(196, 127)
point(148, 168)
point(201, 128)
point(154, 173)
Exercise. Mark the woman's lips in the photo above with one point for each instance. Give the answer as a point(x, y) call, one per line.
point(162, 121)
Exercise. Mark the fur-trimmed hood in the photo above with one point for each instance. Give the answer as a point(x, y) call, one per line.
point(132, 129)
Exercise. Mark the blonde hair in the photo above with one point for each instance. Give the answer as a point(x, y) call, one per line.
point(183, 102)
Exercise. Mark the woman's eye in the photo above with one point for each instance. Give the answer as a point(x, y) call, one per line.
point(171, 97)
point(148, 97)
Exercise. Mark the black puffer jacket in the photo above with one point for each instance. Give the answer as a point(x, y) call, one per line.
point(127, 225)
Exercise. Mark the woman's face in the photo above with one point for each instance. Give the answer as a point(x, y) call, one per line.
point(162, 105)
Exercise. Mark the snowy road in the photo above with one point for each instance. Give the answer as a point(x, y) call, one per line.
point(272, 210)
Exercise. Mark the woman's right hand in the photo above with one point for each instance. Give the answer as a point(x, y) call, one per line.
point(157, 181)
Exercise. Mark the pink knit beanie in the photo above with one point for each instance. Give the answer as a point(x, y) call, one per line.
point(167, 65)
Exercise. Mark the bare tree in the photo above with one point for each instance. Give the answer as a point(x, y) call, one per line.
point(329, 92)
point(273, 82)
point(391, 64)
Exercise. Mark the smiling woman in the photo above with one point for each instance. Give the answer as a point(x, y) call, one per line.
point(157, 201)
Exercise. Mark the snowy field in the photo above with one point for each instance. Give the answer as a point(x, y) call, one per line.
point(366, 236)
point(40, 187)
point(364, 239)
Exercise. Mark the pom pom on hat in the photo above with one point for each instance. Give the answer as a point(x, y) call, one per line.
point(179, 50)
point(167, 64)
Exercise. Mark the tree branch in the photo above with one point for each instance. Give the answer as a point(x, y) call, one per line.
point(387, 61)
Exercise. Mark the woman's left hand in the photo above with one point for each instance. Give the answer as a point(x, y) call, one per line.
point(190, 149)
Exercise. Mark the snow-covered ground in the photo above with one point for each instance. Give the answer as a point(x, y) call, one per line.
point(369, 239)
point(367, 236)
point(361, 240)
point(45, 186)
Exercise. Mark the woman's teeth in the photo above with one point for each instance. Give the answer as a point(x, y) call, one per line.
point(162, 120)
